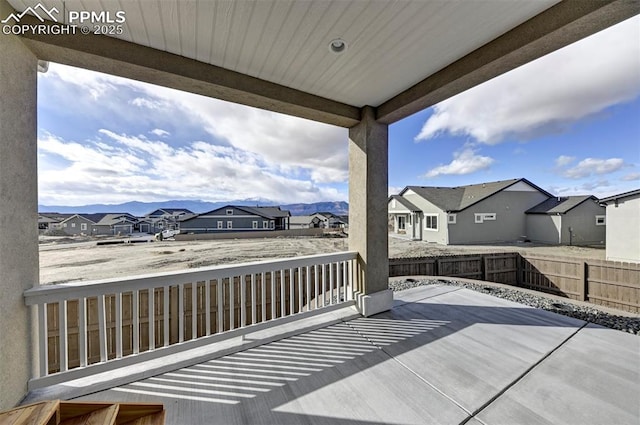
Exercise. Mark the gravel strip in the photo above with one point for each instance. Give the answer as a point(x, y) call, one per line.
point(591, 315)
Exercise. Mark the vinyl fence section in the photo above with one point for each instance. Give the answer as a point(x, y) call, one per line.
point(607, 283)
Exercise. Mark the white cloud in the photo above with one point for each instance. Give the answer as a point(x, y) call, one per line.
point(147, 103)
point(594, 166)
point(160, 132)
point(549, 94)
point(293, 145)
point(135, 167)
point(631, 177)
point(591, 186)
point(394, 190)
point(465, 161)
point(564, 160)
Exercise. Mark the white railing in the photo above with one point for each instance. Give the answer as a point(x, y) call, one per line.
point(86, 324)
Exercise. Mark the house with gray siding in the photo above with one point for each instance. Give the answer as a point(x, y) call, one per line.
point(623, 226)
point(567, 220)
point(233, 218)
point(99, 224)
point(479, 213)
point(166, 219)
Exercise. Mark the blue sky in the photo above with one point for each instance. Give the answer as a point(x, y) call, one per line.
point(568, 122)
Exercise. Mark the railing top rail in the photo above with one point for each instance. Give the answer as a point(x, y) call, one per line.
point(79, 289)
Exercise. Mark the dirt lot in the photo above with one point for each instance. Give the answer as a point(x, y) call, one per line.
point(65, 259)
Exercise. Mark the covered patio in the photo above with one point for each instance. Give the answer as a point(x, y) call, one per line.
point(359, 65)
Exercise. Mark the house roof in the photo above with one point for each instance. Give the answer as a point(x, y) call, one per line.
point(559, 205)
point(270, 213)
point(462, 197)
point(170, 211)
point(274, 212)
point(620, 196)
point(57, 216)
point(404, 202)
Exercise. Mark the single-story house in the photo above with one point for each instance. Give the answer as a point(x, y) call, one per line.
point(568, 220)
point(304, 222)
point(329, 220)
point(477, 213)
point(623, 226)
point(233, 218)
point(99, 224)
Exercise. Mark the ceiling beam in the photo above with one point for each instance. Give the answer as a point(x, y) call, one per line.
point(118, 57)
point(556, 27)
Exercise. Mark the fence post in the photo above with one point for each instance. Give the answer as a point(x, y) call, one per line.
point(583, 281)
point(519, 261)
point(484, 266)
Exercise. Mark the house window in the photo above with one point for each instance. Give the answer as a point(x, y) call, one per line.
point(401, 222)
point(410, 222)
point(482, 217)
point(229, 212)
point(272, 224)
point(229, 224)
point(83, 226)
point(255, 224)
point(601, 220)
point(73, 224)
point(451, 219)
point(265, 224)
point(431, 222)
point(64, 224)
point(219, 225)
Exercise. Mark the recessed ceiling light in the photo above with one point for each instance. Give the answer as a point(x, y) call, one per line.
point(337, 46)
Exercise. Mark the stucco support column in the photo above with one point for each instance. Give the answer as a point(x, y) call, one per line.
point(368, 194)
point(18, 214)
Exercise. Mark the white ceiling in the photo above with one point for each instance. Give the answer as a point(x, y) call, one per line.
point(392, 45)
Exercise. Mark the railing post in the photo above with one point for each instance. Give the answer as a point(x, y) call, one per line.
point(43, 339)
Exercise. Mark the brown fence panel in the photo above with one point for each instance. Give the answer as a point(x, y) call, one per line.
point(614, 284)
point(461, 266)
point(501, 268)
point(424, 266)
point(555, 275)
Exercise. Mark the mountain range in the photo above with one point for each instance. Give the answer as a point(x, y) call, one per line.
point(142, 208)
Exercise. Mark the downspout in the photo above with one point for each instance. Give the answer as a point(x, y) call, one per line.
point(560, 230)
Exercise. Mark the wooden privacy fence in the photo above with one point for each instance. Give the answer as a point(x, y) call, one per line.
point(607, 283)
point(94, 323)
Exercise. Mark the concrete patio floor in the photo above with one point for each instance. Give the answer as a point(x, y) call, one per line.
point(442, 355)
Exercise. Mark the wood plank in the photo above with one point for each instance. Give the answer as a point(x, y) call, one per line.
point(157, 418)
point(42, 413)
point(99, 416)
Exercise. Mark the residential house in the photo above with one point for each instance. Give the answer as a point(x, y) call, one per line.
point(99, 224)
point(569, 220)
point(304, 222)
point(233, 218)
point(402, 215)
point(623, 226)
point(329, 220)
point(478, 213)
point(50, 220)
point(167, 219)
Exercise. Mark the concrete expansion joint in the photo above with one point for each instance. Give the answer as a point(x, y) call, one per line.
point(364, 336)
point(522, 376)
